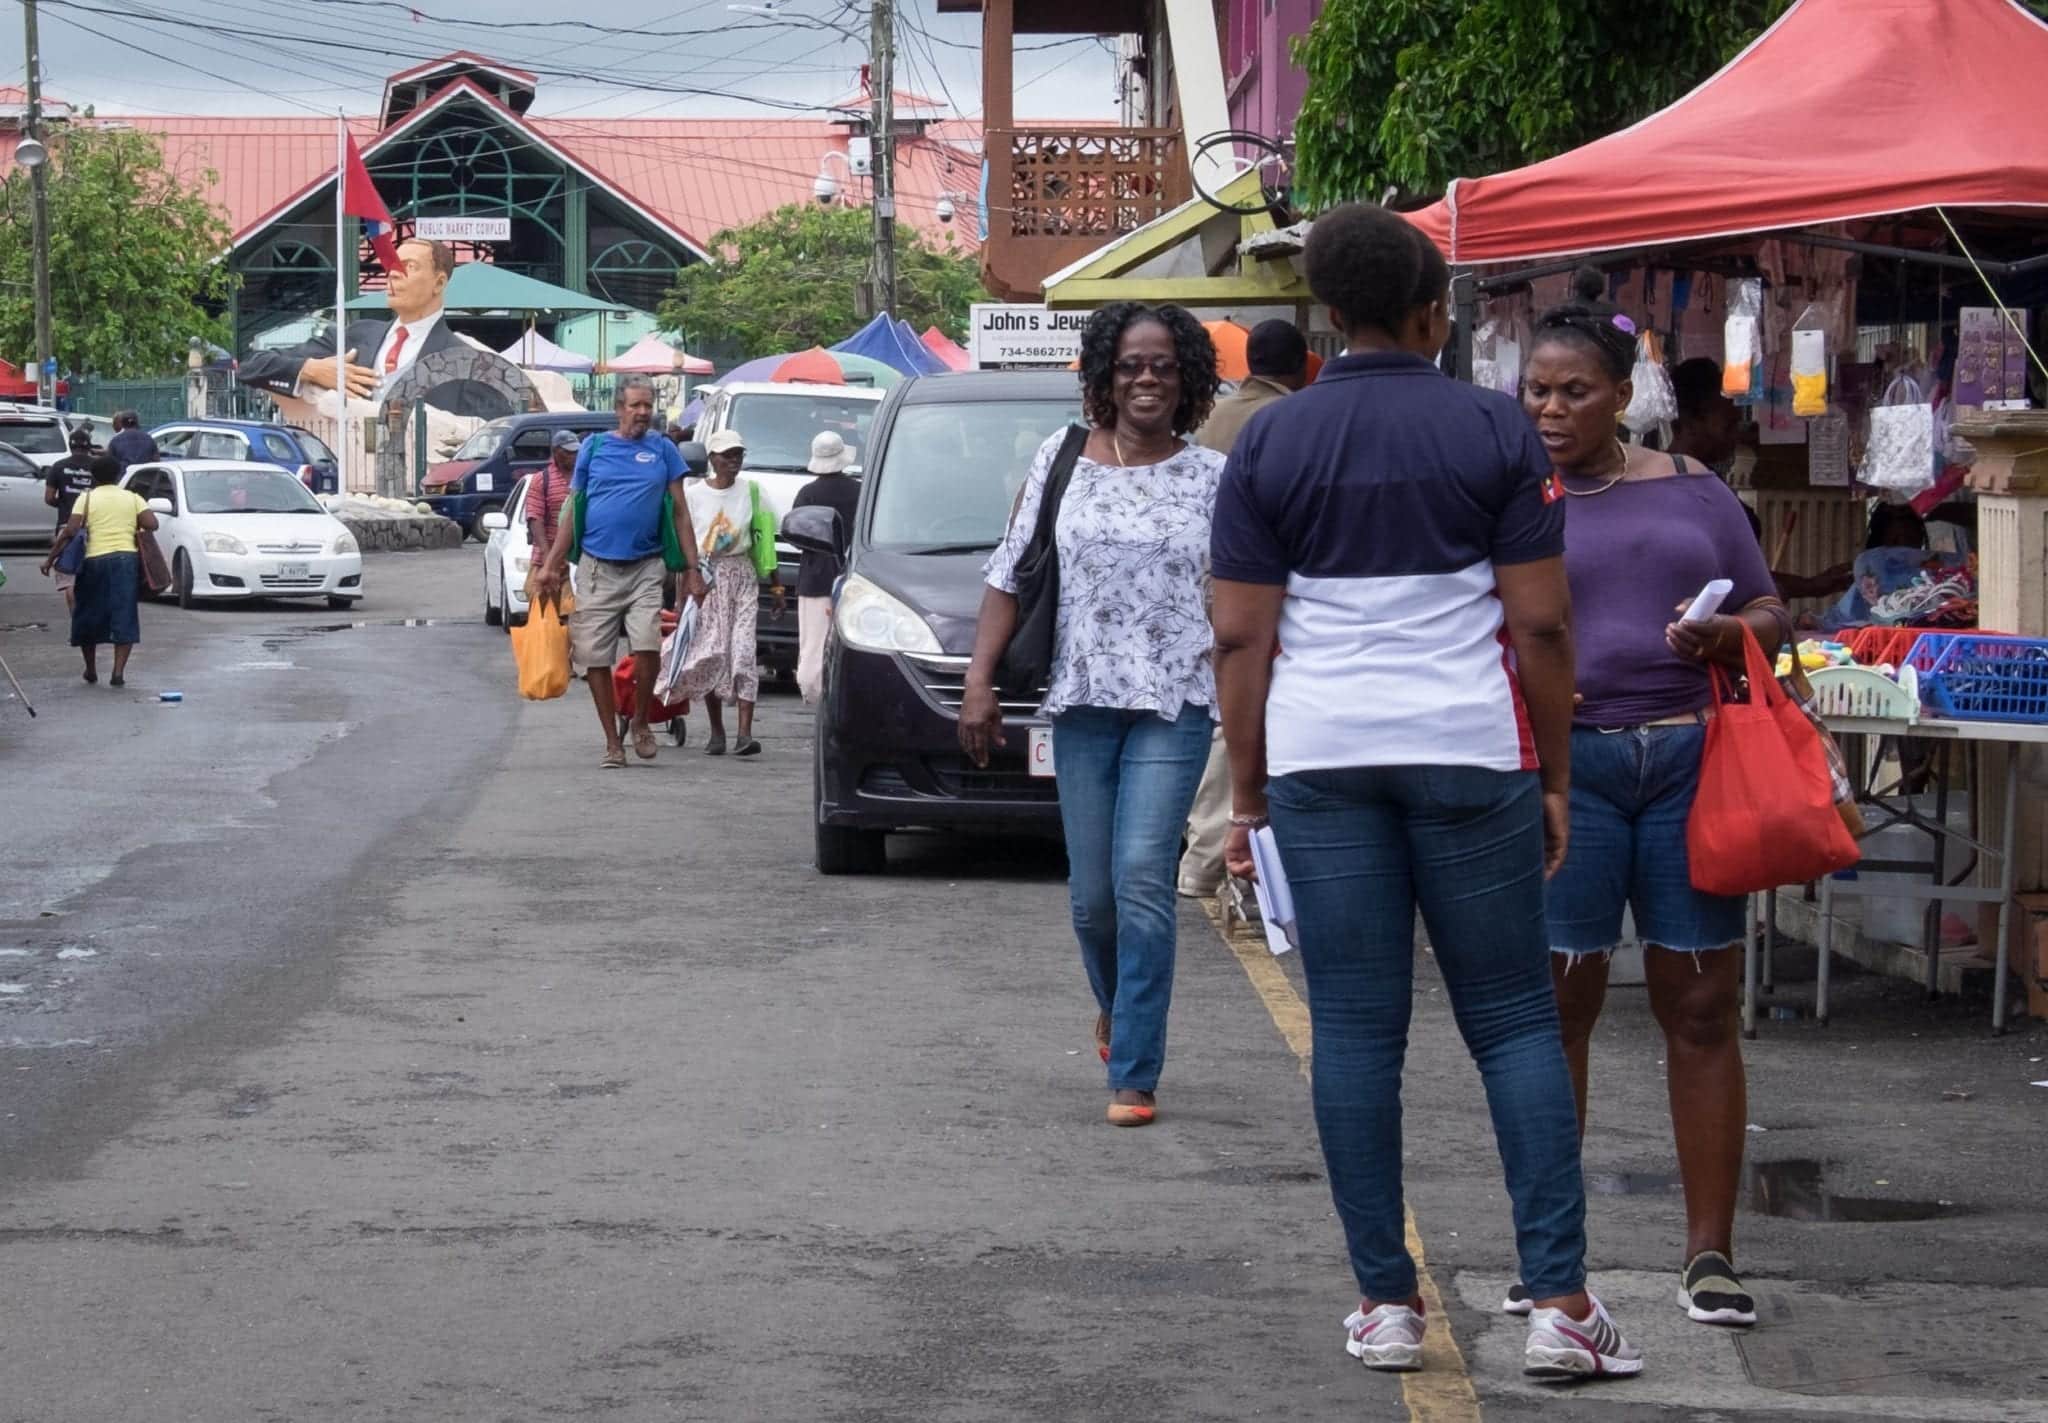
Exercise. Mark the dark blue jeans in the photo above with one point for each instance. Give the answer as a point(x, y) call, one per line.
point(1127, 780)
point(1363, 847)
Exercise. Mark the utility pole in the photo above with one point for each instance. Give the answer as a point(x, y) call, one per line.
point(39, 207)
point(882, 91)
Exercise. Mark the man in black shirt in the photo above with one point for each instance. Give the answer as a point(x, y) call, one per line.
point(837, 490)
point(63, 482)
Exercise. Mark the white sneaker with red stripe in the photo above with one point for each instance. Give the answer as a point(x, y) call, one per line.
point(1390, 1337)
point(1561, 1347)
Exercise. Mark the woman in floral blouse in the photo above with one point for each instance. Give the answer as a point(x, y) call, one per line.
point(1132, 695)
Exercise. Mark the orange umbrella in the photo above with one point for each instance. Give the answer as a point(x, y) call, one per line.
point(814, 366)
point(1232, 363)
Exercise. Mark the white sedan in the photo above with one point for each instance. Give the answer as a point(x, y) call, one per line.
point(508, 558)
point(233, 529)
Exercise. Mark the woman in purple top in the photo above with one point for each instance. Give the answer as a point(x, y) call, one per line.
point(1643, 533)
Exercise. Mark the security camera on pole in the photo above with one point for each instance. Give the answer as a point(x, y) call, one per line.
point(33, 153)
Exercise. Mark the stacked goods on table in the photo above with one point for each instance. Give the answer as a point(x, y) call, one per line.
point(1968, 675)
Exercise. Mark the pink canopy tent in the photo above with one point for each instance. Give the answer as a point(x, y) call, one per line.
point(946, 349)
point(1843, 109)
point(654, 357)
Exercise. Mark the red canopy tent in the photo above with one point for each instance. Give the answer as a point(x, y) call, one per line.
point(946, 349)
point(1843, 109)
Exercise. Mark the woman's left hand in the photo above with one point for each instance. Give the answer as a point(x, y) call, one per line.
point(1237, 853)
point(1715, 639)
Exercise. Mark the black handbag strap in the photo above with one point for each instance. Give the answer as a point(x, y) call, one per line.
point(1056, 480)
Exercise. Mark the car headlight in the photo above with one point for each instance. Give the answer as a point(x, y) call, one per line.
point(223, 543)
point(346, 543)
point(880, 622)
point(521, 563)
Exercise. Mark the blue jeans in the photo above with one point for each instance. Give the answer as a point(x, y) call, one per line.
point(1631, 796)
point(1362, 847)
point(1127, 780)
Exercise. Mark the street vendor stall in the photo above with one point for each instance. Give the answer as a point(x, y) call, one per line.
point(1846, 221)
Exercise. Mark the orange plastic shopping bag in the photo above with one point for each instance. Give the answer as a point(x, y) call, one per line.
point(540, 647)
point(1764, 814)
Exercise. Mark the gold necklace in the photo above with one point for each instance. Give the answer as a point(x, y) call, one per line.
point(1125, 460)
point(1589, 493)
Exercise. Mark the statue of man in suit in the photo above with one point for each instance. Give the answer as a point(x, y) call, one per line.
point(376, 353)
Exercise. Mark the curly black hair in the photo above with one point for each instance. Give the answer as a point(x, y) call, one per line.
point(1191, 347)
point(1592, 323)
point(1372, 267)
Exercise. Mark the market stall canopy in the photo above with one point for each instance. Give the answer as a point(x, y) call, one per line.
point(479, 286)
point(1231, 340)
point(812, 367)
point(950, 352)
point(894, 344)
point(535, 352)
point(1843, 109)
point(654, 357)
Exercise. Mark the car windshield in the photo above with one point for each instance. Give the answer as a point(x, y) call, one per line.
point(35, 437)
point(484, 443)
point(779, 429)
point(247, 491)
point(315, 448)
point(952, 470)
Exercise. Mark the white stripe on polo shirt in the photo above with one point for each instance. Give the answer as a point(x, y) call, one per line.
point(1402, 670)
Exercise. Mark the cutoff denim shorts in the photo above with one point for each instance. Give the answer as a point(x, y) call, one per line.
point(1631, 793)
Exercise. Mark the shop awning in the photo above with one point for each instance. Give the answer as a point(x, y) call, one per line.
point(1843, 109)
point(652, 356)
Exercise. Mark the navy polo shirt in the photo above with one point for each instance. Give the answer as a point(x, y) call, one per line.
point(1382, 497)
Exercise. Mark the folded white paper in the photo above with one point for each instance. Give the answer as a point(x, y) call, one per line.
point(1276, 902)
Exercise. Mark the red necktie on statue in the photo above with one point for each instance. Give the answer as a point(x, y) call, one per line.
point(391, 357)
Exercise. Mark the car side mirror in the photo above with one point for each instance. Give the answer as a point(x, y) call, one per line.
point(496, 520)
point(162, 506)
point(815, 529)
point(696, 458)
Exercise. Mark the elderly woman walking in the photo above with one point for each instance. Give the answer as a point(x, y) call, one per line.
point(1131, 696)
point(736, 539)
point(109, 588)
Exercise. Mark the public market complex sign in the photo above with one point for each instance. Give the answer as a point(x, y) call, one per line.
point(463, 229)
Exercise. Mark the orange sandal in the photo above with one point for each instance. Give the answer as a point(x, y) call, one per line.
point(1124, 1115)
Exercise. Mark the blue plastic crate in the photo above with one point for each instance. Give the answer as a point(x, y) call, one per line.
point(1985, 677)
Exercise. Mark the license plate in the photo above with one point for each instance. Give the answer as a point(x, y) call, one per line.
point(1038, 750)
point(294, 570)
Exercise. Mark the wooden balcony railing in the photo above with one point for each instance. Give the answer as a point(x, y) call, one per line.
point(1057, 194)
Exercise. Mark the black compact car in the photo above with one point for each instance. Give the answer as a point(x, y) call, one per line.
point(949, 454)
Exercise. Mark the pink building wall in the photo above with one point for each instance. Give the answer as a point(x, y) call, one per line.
point(1264, 86)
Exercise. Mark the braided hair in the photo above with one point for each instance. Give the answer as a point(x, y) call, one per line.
point(1592, 323)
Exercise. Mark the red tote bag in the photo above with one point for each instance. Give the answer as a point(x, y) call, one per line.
point(1765, 813)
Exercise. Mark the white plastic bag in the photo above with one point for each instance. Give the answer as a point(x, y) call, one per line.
point(1810, 363)
point(1653, 402)
point(1742, 349)
point(1900, 452)
point(675, 650)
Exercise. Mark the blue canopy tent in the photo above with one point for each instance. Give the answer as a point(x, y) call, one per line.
point(893, 343)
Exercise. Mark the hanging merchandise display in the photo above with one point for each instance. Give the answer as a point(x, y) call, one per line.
point(1742, 345)
point(1496, 359)
point(1810, 363)
point(1653, 402)
point(1827, 450)
point(1900, 452)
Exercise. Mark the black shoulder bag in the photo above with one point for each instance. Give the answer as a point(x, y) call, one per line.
point(1026, 663)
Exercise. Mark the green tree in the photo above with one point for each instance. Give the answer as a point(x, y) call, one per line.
point(787, 281)
point(136, 257)
point(1404, 95)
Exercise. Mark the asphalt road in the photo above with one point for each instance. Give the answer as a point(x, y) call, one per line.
point(368, 1054)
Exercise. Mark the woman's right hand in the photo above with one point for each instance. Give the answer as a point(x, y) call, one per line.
point(981, 722)
point(1237, 853)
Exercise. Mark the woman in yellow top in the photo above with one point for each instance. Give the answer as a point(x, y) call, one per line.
point(110, 580)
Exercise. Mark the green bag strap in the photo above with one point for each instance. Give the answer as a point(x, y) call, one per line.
point(763, 525)
point(578, 502)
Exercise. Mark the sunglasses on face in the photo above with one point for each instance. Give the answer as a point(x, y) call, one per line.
point(1162, 367)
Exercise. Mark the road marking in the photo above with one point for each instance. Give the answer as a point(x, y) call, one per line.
point(1442, 1392)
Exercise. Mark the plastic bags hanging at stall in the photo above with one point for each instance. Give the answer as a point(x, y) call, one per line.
point(1496, 359)
point(1653, 402)
point(1810, 363)
point(1900, 452)
point(1742, 349)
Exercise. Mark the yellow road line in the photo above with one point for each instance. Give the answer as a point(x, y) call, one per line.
point(1442, 1392)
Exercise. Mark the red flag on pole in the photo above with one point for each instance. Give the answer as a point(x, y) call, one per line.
point(359, 199)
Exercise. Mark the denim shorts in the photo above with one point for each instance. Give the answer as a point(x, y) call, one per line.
point(1631, 793)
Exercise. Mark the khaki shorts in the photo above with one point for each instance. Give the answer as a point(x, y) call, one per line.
point(614, 598)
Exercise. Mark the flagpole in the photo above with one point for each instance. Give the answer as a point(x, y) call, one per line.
point(341, 297)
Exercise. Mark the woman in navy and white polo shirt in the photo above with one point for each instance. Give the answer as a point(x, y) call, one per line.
point(1394, 664)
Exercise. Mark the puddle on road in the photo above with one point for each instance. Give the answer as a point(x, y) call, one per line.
point(1789, 1190)
point(24, 627)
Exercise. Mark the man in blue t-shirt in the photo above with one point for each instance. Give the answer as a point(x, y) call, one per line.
point(621, 478)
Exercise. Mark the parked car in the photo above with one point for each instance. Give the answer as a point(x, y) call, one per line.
point(509, 555)
point(100, 427)
point(39, 433)
point(242, 529)
point(301, 451)
point(778, 421)
point(24, 517)
point(480, 478)
point(949, 453)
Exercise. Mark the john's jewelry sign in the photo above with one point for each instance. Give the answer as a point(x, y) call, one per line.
point(1015, 337)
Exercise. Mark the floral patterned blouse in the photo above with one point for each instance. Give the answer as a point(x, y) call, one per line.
point(1133, 628)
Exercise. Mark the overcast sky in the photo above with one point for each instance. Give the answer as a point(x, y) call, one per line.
point(288, 56)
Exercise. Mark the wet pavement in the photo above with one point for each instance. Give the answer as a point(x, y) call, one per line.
point(380, 1058)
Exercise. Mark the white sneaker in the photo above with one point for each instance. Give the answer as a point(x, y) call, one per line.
point(1388, 1338)
point(1561, 1347)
